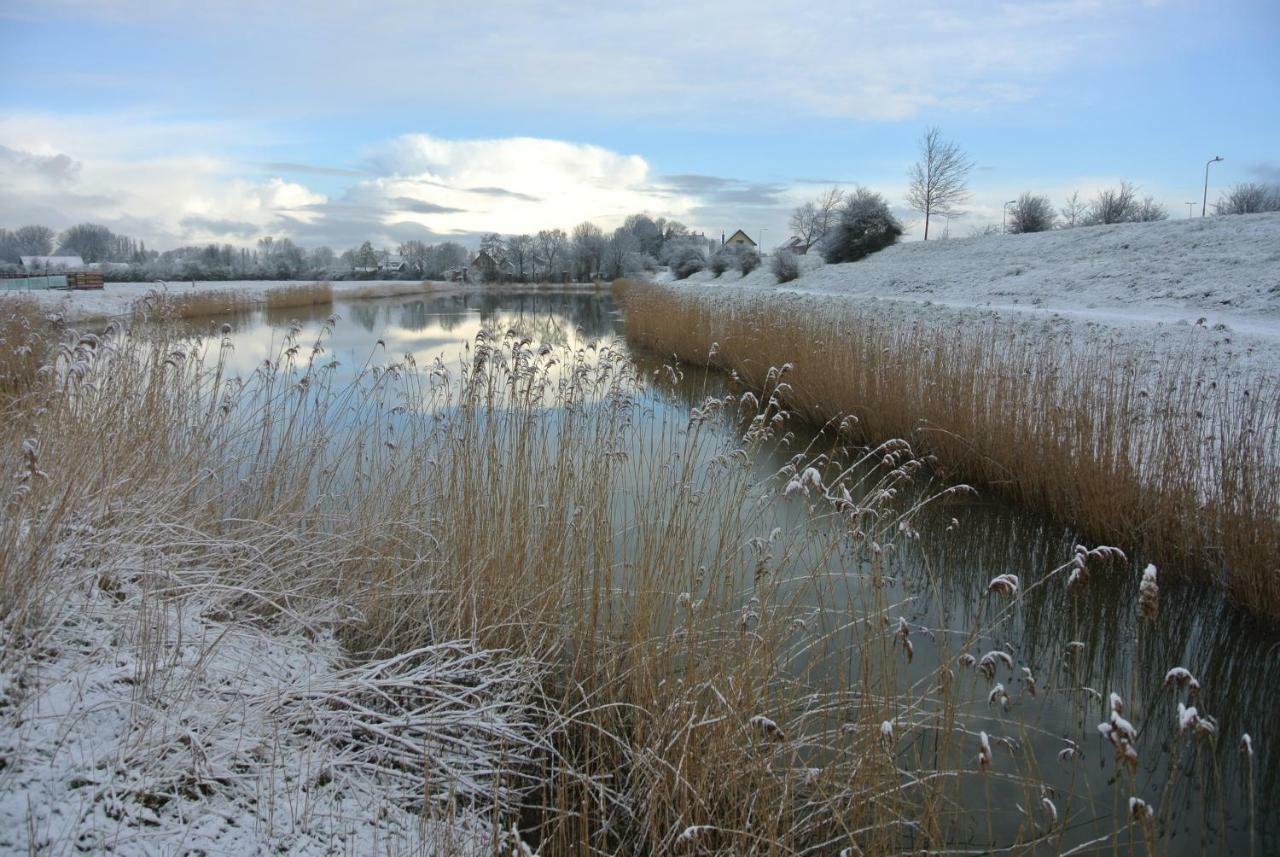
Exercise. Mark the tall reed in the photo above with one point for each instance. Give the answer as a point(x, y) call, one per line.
point(1169, 449)
point(719, 654)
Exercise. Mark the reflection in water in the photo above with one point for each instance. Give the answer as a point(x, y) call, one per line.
point(939, 582)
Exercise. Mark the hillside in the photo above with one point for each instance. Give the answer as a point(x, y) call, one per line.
point(1223, 269)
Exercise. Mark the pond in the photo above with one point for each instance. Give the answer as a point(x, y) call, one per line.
point(1077, 647)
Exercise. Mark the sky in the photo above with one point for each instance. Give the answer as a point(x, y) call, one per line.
point(336, 122)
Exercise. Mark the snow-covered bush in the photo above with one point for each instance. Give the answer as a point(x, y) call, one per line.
point(1249, 198)
point(1121, 205)
point(748, 261)
point(1031, 214)
point(866, 226)
point(720, 262)
point(685, 257)
point(785, 266)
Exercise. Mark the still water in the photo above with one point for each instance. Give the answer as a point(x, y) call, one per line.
point(941, 580)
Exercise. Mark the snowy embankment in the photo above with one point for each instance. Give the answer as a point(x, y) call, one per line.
point(1215, 271)
point(116, 300)
point(159, 714)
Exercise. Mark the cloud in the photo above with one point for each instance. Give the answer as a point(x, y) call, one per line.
point(310, 169)
point(53, 172)
point(1266, 171)
point(205, 226)
point(859, 59)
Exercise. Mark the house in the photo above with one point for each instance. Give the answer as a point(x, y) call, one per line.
point(796, 245)
point(489, 269)
point(739, 239)
point(52, 263)
point(394, 264)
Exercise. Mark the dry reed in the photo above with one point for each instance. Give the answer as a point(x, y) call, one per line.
point(719, 666)
point(1170, 450)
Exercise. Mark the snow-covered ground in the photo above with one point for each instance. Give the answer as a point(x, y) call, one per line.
point(151, 720)
point(1224, 270)
point(117, 299)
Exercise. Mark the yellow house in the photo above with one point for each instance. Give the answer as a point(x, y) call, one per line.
point(739, 239)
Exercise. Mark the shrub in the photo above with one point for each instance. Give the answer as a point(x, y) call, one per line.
point(721, 262)
point(748, 261)
point(1249, 198)
point(1031, 214)
point(785, 266)
point(1121, 205)
point(866, 226)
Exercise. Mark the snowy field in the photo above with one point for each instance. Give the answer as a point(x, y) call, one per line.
point(1224, 270)
point(117, 299)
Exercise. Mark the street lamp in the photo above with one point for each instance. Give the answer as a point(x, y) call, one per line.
point(1204, 204)
point(1190, 208)
point(762, 232)
point(1004, 215)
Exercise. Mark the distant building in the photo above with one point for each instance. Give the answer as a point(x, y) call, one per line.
point(52, 263)
point(797, 246)
point(739, 239)
point(489, 269)
point(394, 264)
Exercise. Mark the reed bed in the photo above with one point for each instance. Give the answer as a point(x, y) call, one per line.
point(166, 304)
point(709, 658)
point(1168, 448)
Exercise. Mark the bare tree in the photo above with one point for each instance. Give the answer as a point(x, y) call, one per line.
point(550, 242)
point(813, 220)
point(1246, 198)
point(1113, 205)
point(1074, 210)
point(33, 240)
point(1031, 213)
point(588, 249)
point(938, 179)
point(520, 249)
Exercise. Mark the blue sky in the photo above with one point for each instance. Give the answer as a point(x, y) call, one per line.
point(336, 122)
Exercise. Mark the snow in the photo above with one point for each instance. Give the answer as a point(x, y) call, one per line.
point(1224, 270)
point(116, 300)
point(148, 720)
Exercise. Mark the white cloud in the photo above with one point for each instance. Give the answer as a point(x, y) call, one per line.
point(106, 169)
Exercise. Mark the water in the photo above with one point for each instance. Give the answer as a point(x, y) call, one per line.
point(941, 581)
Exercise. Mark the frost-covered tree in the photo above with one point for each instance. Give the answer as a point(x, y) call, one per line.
point(1249, 198)
point(748, 260)
point(1073, 210)
point(550, 245)
point(685, 255)
point(813, 220)
point(1031, 213)
point(1148, 211)
point(33, 240)
point(520, 250)
point(90, 241)
point(938, 180)
point(415, 254)
point(587, 247)
point(1113, 205)
point(866, 226)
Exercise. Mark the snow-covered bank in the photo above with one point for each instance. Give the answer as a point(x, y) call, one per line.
point(116, 300)
point(150, 719)
point(1225, 270)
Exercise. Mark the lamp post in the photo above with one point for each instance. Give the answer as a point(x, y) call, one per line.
point(1204, 203)
point(762, 232)
point(1190, 208)
point(1004, 216)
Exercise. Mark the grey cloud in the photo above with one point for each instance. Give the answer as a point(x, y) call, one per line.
point(421, 206)
point(716, 190)
point(501, 191)
point(217, 226)
point(1267, 171)
point(59, 168)
point(311, 169)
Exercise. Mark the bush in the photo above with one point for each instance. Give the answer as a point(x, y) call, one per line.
point(866, 226)
point(1122, 205)
point(1031, 214)
point(1249, 198)
point(785, 266)
point(721, 261)
point(748, 261)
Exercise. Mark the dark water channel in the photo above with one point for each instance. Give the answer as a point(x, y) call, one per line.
point(942, 579)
